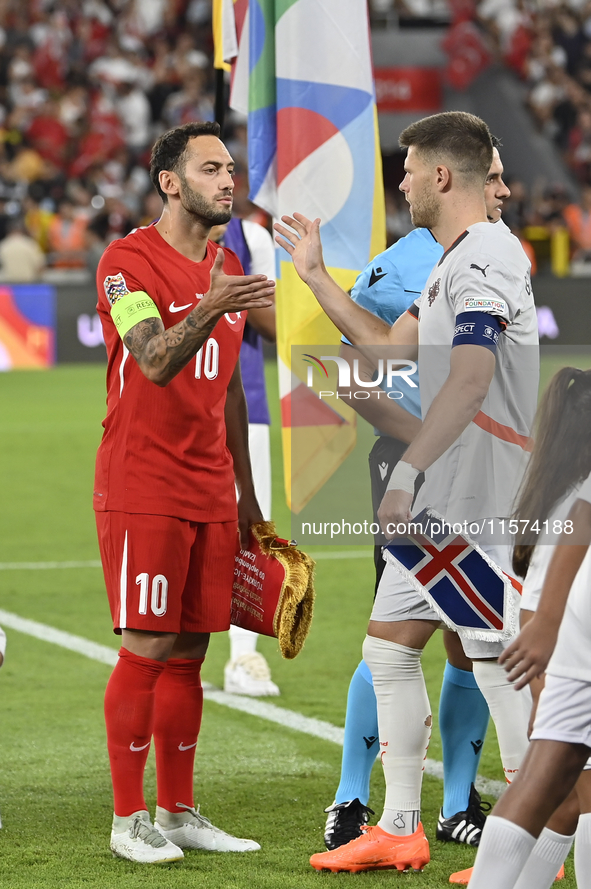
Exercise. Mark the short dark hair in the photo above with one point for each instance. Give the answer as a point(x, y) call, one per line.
point(496, 142)
point(462, 138)
point(169, 152)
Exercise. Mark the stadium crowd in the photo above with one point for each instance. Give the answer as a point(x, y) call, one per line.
point(85, 89)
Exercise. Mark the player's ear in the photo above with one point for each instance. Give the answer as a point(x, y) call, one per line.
point(169, 182)
point(442, 178)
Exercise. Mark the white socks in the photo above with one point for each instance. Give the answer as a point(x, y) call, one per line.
point(504, 849)
point(404, 720)
point(583, 852)
point(545, 861)
point(510, 711)
point(241, 642)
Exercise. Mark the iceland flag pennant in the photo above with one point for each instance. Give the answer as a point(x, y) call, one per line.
point(457, 578)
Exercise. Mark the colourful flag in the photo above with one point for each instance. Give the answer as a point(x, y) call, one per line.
point(224, 34)
point(303, 75)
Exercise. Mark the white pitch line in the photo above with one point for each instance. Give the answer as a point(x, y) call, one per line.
point(343, 554)
point(95, 563)
point(318, 728)
point(92, 650)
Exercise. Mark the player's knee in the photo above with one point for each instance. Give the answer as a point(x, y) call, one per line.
point(389, 661)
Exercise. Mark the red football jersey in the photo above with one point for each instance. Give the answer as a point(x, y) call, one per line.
point(164, 450)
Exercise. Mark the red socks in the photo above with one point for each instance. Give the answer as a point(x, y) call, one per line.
point(177, 719)
point(144, 698)
point(129, 716)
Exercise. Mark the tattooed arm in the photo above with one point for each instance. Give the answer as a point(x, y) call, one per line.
point(161, 353)
point(236, 415)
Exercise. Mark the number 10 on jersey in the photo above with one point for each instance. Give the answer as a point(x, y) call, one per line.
point(207, 360)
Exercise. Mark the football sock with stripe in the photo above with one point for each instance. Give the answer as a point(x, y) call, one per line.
point(404, 719)
point(510, 711)
point(583, 851)
point(129, 717)
point(177, 719)
point(361, 743)
point(463, 721)
point(546, 859)
point(503, 851)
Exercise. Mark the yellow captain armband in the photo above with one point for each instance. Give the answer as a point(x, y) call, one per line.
point(132, 308)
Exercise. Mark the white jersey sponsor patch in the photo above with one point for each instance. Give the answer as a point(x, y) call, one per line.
point(474, 304)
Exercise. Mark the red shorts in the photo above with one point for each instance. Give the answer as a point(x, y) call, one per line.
point(167, 575)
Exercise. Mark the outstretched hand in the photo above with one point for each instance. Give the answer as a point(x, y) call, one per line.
point(302, 242)
point(527, 657)
point(236, 293)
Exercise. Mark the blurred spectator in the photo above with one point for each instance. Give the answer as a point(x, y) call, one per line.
point(151, 208)
point(37, 217)
point(48, 134)
point(579, 145)
point(133, 108)
point(515, 206)
point(21, 258)
point(398, 223)
point(96, 242)
point(189, 103)
point(67, 240)
point(578, 221)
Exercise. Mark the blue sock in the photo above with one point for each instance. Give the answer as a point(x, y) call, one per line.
point(361, 744)
point(463, 720)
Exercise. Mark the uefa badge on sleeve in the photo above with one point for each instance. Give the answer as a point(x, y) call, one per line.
point(469, 592)
point(273, 591)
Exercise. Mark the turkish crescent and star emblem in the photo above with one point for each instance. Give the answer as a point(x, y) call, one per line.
point(233, 317)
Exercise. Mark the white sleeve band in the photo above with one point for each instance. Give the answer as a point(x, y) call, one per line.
point(2, 642)
point(403, 478)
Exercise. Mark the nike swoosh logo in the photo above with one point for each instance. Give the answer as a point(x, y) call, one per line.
point(173, 308)
point(186, 747)
point(137, 749)
point(376, 276)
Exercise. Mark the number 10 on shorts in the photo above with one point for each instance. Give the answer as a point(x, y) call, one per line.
point(159, 597)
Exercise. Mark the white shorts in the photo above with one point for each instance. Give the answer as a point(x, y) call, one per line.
point(564, 712)
point(397, 600)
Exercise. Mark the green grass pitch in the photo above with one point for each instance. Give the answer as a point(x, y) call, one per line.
point(253, 777)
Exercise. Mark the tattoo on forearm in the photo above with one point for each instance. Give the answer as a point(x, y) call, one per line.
point(168, 351)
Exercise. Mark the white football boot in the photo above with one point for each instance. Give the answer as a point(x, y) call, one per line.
point(190, 830)
point(136, 839)
point(249, 675)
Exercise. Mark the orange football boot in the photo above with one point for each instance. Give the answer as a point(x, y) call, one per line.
point(376, 850)
point(463, 876)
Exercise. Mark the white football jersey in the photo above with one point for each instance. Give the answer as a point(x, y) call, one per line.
point(572, 655)
point(485, 270)
point(549, 534)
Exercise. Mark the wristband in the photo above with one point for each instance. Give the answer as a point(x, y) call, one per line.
point(403, 478)
point(132, 308)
